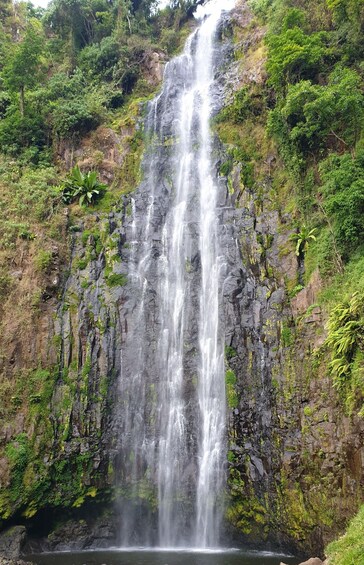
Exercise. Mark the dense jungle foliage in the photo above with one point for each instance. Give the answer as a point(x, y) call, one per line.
point(65, 69)
point(64, 72)
point(313, 103)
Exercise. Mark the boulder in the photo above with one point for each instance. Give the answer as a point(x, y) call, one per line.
point(12, 541)
point(312, 561)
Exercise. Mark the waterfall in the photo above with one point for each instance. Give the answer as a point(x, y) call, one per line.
point(172, 386)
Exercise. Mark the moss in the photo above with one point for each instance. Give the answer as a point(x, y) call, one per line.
point(245, 511)
point(17, 453)
point(308, 411)
point(287, 337)
point(231, 394)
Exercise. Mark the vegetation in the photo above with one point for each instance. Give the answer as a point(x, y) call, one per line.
point(349, 549)
point(80, 65)
point(313, 109)
point(345, 339)
point(86, 187)
point(303, 239)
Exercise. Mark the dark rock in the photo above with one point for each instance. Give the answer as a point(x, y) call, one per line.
point(313, 561)
point(14, 562)
point(12, 542)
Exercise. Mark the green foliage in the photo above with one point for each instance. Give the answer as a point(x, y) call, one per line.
point(286, 336)
point(312, 116)
point(343, 189)
point(20, 133)
point(260, 7)
point(349, 549)
point(115, 279)
point(43, 260)
point(231, 394)
point(23, 68)
point(346, 341)
point(101, 58)
point(294, 55)
point(348, 16)
point(17, 453)
point(230, 352)
point(4, 285)
point(303, 239)
point(73, 116)
point(244, 104)
point(67, 71)
point(86, 187)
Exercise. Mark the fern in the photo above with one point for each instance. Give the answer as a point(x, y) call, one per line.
point(346, 342)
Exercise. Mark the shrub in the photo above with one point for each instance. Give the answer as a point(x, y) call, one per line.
point(19, 132)
point(294, 55)
point(43, 260)
point(312, 116)
point(302, 239)
point(343, 188)
point(101, 58)
point(73, 116)
point(86, 187)
point(116, 280)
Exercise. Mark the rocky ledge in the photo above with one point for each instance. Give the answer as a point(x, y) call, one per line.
point(313, 561)
point(12, 562)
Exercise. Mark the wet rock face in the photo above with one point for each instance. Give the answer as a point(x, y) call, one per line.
point(254, 307)
point(89, 329)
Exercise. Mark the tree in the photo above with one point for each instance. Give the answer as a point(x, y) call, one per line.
point(294, 55)
point(74, 21)
point(23, 68)
point(343, 190)
point(314, 116)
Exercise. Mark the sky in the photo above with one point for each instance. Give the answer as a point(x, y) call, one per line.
point(42, 3)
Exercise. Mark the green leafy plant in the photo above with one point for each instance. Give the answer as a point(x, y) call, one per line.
point(303, 239)
point(346, 341)
point(86, 187)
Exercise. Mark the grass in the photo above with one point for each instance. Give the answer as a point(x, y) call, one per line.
point(344, 285)
point(349, 549)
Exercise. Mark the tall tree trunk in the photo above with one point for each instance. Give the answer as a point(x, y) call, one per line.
point(21, 101)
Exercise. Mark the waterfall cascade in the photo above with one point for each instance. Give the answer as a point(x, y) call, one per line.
point(172, 385)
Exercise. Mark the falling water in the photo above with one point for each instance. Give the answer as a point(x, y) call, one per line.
point(172, 386)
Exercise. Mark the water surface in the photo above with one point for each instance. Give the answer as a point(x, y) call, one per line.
point(158, 557)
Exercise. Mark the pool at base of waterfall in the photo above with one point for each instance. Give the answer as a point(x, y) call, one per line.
point(163, 557)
